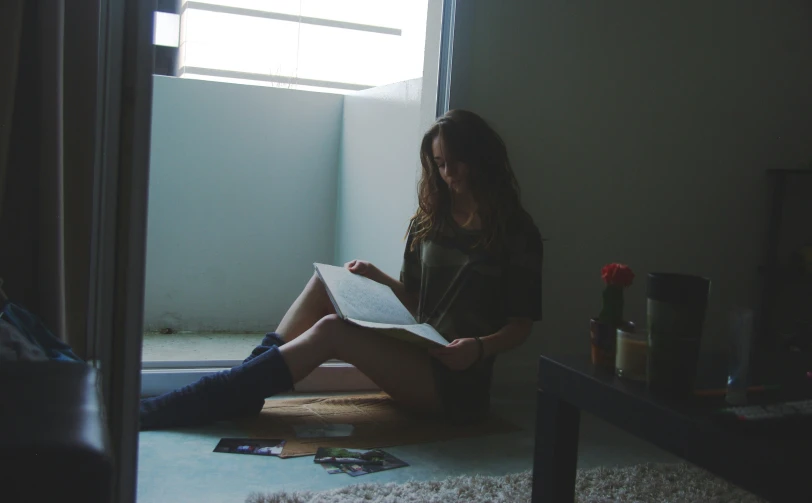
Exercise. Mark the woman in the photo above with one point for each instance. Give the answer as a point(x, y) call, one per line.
point(471, 269)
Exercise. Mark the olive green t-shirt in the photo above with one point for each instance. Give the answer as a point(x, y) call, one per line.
point(466, 291)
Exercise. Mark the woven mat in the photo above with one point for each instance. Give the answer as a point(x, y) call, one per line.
point(377, 422)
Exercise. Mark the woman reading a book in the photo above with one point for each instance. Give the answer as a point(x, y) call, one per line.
point(471, 269)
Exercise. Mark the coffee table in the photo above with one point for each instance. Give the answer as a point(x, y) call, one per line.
point(772, 460)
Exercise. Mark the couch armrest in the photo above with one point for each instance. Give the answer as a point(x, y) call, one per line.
point(53, 433)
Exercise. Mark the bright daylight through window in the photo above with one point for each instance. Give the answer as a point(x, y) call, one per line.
point(323, 45)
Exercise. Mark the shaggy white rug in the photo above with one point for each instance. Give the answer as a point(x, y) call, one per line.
point(661, 483)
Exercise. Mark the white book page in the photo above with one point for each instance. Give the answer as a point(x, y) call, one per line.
point(423, 330)
point(361, 298)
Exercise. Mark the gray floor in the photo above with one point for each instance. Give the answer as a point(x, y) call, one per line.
point(180, 466)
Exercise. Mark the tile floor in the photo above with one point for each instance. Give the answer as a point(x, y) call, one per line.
point(198, 346)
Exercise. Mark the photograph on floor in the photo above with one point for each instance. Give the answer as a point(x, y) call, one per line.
point(356, 462)
point(256, 446)
point(332, 469)
point(340, 455)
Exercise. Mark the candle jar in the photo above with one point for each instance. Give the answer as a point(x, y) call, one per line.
point(630, 354)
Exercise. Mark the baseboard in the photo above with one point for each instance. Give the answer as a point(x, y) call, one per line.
point(329, 377)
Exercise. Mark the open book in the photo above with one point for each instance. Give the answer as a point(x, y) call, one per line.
point(367, 303)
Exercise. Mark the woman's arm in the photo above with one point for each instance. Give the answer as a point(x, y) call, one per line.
point(366, 269)
point(510, 336)
point(462, 353)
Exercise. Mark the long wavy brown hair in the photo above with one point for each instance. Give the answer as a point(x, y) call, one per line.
point(467, 138)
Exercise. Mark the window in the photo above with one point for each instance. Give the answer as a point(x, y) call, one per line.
point(325, 45)
point(166, 37)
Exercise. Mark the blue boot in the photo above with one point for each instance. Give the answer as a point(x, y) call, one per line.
point(270, 340)
point(236, 392)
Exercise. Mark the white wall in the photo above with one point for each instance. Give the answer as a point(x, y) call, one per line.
point(380, 164)
point(242, 201)
point(640, 132)
point(380, 148)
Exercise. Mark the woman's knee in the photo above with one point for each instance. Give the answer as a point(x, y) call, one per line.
point(332, 331)
point(329, 327)
point(315, 286)
point(315, 289)
point(330, 321)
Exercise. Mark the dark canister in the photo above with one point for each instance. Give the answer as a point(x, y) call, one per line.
point(676, 306)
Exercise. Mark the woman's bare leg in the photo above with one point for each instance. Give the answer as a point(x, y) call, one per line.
point(401, 369)
point(312, 305)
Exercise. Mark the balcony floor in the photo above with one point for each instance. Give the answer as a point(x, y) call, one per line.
point(198, 346)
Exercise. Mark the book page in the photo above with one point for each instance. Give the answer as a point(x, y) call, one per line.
point(422, 334)
point(361, 298)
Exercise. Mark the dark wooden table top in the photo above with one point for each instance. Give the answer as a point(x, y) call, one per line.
point(789, 373)
point(757, 456)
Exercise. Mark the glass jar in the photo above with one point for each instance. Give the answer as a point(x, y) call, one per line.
point(630, 354)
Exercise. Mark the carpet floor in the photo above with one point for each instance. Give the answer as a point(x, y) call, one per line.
point(643, 483)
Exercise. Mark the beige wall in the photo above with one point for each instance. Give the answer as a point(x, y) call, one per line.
point(640, 132)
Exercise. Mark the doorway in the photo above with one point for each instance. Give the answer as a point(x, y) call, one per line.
point(283, 133)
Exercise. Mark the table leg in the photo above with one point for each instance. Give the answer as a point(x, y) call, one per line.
point(556, 451)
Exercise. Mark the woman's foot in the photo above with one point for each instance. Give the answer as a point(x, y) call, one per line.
point(236, 392)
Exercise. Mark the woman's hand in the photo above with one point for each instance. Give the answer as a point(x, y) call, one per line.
point(364, 268)
point(458, 355)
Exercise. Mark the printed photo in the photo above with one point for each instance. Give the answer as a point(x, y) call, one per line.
point(349, 456)
point(256, 446)
point(356, 462)
point(332, 469)
point(389, 463)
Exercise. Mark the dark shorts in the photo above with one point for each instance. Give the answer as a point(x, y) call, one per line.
point(465, 394)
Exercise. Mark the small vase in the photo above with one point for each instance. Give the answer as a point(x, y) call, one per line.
point(603, 339)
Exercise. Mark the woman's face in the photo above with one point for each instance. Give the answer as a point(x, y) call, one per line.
point(453, 173)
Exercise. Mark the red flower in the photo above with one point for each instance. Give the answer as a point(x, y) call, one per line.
point(617, 274)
